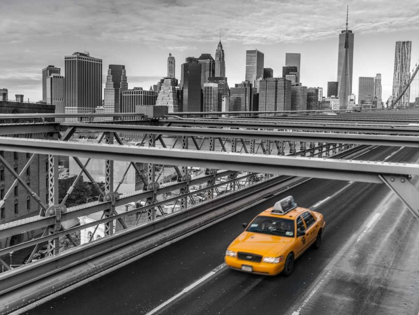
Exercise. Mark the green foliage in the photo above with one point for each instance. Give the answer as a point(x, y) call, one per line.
point(83, 191)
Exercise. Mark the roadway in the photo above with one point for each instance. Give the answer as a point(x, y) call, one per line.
point(367, 263)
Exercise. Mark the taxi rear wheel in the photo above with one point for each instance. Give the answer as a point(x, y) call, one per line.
point(289, 265)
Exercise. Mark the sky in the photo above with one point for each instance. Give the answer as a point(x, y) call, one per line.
point(141, 34)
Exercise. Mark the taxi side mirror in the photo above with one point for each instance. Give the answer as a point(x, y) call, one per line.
point(301, 233)
point(244, 225)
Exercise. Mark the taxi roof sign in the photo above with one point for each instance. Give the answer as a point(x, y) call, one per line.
point(284, 206)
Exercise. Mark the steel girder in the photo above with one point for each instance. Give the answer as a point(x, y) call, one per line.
point(368, 139)
point(28, 128)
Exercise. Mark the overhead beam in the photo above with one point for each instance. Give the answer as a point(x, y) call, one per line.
point(28, 128)
point(367, 139)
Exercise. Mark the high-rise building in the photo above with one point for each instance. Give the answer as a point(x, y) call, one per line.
point(211, 98)
point(207, 67)
point(4, 95)
point(254, 65)
point(275, 94)
point(293, 60)
point(241, 97)
point(83, 83)
point(298, 97)
point(222, 85)
point(313, 98)
point(401, 74)
point(116, 82)
point(168, 95)
point(171, 67)
point(268, 73)
point(56, 93)
point(137, 96)
point(332, 89)
point(366, 90)
point(291, 73)
point(320, 94)
point(220, 66)
point(378, 90)
point(46, 72)
point(345, 65)
point(191, 86)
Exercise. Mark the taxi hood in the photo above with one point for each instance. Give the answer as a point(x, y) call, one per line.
point(261, 244)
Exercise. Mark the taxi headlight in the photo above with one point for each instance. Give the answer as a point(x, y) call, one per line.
point(273, 260)
point(231, 253)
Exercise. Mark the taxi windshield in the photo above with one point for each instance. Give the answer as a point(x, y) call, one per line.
point(272, 226)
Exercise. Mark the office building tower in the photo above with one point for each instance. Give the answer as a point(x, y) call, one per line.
point(171, 67)
point(207, 67)
point(56, 93)
point(298, 97)
point(46, 72)
point(83, 83)
point(401, 74)
point(211, 98)
point(4, 94)
point(222, 85)
point(116, 82)
point(191, 86)
point(291, 73)
point(137, 96)
point(378, 90)
point(332, 89)
point(275, 94)
point(268, 73)
point(345, 65)
point(241, 97)
point(220, 66)
point(254, 65)
point(313, 98)
point(168, 95)
point(293, 60)
point(320, 93)
point(366, 90)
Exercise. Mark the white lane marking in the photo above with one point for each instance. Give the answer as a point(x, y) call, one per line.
point(188, 288)
point(332, 196)
point(393, 154)
point(368, 227)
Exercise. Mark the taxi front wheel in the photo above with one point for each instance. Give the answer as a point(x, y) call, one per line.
point(289, 265)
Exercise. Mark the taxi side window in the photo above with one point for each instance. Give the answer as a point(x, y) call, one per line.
point(308, 218)
point(300, 224)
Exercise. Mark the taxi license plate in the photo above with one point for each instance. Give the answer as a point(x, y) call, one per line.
point(247, 268)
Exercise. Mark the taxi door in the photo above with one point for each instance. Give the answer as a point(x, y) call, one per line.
point(311, 227)
point(301, 241)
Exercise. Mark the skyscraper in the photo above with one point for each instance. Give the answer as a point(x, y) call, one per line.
point(345, 65)
point(401, 74)
point(313, 98)
point(241, 97)
point(378, 90)
point(366, 90)
point(191, 86)
point(137, 96)
point(275, 94)
point(332, 89)
point(211, 98)
point(171, 67)
point(4, 94)
point(83, 83)
point(298, 97)
point(207, 67)
point(168, 95)
point(254, 65)
point(268, 73)
point(116, 82)
point(220, 66)
point(46, 72)
point(56, 93)
point(293, 60)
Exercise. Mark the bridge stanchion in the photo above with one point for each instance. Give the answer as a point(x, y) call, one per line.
point(185, 177)
point(233, 176)
point(152, 185)
point(53, 245)
point(303, 148)
point(327, 152)
point(211, 182)
point(312, 149)
point(252, 151)
point(334, 146)
point(109, 174)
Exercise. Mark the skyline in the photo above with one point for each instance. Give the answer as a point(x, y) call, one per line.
point(119, 34)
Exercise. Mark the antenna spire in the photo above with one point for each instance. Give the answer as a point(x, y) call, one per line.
point(347, 17)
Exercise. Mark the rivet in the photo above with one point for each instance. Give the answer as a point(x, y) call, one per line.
point(402, 180)
point(392, 179)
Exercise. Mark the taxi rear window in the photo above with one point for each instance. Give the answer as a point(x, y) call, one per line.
point(272, 226)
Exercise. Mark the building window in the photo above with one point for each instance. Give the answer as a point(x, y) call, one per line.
point(47, 198)
point(16, 208)
point(16, 191)
point(28, 204)
point(15, 155)
point(1, 174)
point(28, 171)
point(16, 170)
point(46, 166)
point(2, 194)
point(28, 155)
point(2, 213)
point(2, 153)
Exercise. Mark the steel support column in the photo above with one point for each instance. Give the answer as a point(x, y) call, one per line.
point(151, 179)
point(185, 177)
point(109, 175)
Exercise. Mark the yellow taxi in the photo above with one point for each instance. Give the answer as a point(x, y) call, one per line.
point(275, 238)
